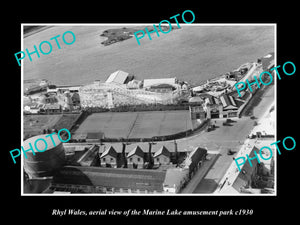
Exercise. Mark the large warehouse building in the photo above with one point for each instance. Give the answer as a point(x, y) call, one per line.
point(118, 77)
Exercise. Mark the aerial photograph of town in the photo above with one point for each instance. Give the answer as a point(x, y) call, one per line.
point(162, 117)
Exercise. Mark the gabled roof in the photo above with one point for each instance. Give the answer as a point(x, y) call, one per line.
point(109, 151)
point(136, 151)
point(117, 77)
point(228, 102)
point(195, 156)
point(162, 151)
point(212, 100)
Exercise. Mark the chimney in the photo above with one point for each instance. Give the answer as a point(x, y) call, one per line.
point(176, 152)
point(150, 159)
point(124, 158)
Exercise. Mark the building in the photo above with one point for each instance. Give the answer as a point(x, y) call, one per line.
point(89, 158)
point(267, 61)
point(80, 137)
point(82, 179)
point(162, 156)
point(161, 88)
point(213, 107)
point(52, 108)
point(94, 136)
point(240, 181)
point(194, 160)
point(233, 75)
point(34, 89)
point(63, 88)
point(175, 180)
point(197, 112)
point(33, 108)
point(75, 98)
point(68, 103)
point(134, 84)
point(109, 158)
point(220, 107)
point(163, 85)
point(44, 83)
point(118, 77)
point(229, 105)
point(135, 158)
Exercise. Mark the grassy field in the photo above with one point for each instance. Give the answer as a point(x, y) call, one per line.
point(34, 124)
point(192, 53)
point(136, 124)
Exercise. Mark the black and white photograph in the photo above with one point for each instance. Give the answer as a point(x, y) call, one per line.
point(149, 112)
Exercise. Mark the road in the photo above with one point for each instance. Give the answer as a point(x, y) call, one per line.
point(230, 136)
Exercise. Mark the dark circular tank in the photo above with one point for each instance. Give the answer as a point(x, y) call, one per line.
point(43, 163)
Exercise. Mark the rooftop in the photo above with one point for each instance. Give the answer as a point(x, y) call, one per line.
point(117, 77)
point(162, 151)
point(111, 177)
point(109, 151)
point(136, 151)
point(153, 82)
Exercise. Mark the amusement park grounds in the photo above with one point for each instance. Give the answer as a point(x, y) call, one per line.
point(217, 142)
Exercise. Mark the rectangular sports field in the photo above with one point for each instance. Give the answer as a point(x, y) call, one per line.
point(136, 124)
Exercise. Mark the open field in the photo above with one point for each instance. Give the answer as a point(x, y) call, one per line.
point(136, 124)
point(193, 53)
point(34, 124)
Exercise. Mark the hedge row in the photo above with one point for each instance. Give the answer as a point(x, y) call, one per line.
point(137, 108)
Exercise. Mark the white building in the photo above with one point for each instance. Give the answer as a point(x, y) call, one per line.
point(153, 82)
point(119, 77)
point(175, 179)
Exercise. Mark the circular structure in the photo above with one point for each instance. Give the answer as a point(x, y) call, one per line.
point(45, 155)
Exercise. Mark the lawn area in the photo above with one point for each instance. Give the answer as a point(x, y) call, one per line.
point(136, 124)
point(34, 124)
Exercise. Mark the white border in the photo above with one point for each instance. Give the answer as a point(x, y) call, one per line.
point(147, 24)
